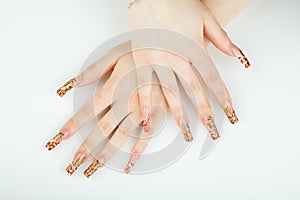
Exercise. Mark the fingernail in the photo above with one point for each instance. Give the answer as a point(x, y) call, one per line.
point(211, 126)
point(93, 168)
point(133, 158)
point(56, 140)
point(66, 87)
point(146, 120)
point(185, 128)
point(231, 115)
point(75, 164)
point(240, 55)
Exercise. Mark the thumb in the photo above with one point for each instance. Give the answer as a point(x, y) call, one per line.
point(218, 36)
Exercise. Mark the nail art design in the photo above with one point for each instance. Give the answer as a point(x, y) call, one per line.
point(146, 121)
point(185, 128)
point(93, 168)
point(74, 165)
point(231, 115)
point(244, 60)
point(212, 128)
point(133, 158)
point(240, 55)
point(65, 88)
point(56, 140)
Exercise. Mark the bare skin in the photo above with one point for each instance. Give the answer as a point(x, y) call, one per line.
point(141, 16)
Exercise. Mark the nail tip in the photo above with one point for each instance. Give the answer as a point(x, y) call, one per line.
point(59, 93)
point(189, 139)
point(51, 145)
point(215, 138)
point(93, 168)
point(66, 87)
point(185, 128)
point(234, 122)
point(69, 174)
point(127, 170)
point(231, 115)
point(70, 170)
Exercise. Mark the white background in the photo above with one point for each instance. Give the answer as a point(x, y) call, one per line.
point(43, 43)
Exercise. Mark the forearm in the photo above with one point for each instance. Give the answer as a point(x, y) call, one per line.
point(225, 10)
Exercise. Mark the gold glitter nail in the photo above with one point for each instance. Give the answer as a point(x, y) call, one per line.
point(185, 128)
point(93, 168)
point(56, 140)
point(74, 165)
point(212, 128)
point(231, 115)
point(65, 88)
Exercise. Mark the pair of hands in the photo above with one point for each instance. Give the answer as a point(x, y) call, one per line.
point(127, 110)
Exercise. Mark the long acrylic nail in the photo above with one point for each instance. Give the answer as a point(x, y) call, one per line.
point(56, 140)
point(211, 126)
point(93, 168)
point(240, 55)
point(146, 120)
point(133, 159)
point(231, 115)
point(66, 87)
point(185, 128)
point(75, 164)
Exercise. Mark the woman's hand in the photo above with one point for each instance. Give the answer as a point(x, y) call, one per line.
point(121, 120)
point(192, 19)
point(118, 129)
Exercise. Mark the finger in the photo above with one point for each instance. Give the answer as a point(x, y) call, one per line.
point(98, 135)
point(87, 112)
point(144, 79)
point(214, 82)
point(171, 92)
point(196, 93)
point(115, 143)
point(101, 100)
point(145, 138)
point(97, 70)
point(217, 35)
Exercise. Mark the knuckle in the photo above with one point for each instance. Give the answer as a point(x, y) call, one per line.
point(105, 126)
point(195, 86)
point(177, 110)
point(213, 78)
point(204, 110)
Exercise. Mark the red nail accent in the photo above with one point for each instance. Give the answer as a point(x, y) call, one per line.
point(56, 140)
point(74, 165)
point(240, 55)
point(231, 115)
point(244, 60)
point(146, 120)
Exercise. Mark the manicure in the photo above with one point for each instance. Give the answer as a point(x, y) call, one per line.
point(133, 159)
point(240, 55)
point(185, 128)
point(66, 87)
point(211, 126)
point(231, 115)
point(56, 140)
point(146, 120)
point(93, 168)
point(75, 164)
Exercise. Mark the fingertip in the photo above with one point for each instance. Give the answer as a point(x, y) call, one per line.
point(237, 52)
